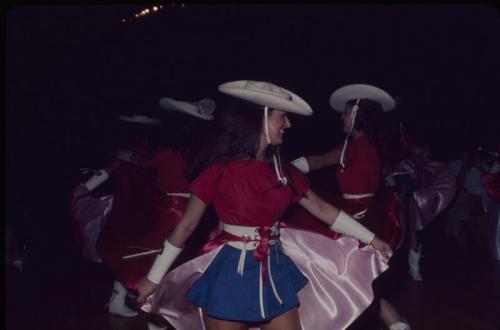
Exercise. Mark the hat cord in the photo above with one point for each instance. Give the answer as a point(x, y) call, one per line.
point(276, 159)
point(351, 127)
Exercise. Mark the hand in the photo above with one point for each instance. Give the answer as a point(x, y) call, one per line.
point(382, 247)
point(80, 190)
point(145, 288)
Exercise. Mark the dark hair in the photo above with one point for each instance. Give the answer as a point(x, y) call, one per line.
point(182, 132)
point(236, 136)
point(369, 120)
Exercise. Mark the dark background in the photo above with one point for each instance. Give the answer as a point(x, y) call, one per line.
point(72, 69)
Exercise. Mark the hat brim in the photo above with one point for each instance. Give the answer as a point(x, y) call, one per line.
point(167, 103)
point(341, 96)
point(140, 119)
point(249, 91)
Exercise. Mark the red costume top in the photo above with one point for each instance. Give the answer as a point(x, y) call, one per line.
point(171, 166)
point(247, 192)
point(362, 173)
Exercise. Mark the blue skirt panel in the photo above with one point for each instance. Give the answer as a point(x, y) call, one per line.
point(222, 293)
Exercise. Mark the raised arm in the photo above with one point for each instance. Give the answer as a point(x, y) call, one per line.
point(96, 180)
point(172, 247)
point(315, 162)
point(341, 222)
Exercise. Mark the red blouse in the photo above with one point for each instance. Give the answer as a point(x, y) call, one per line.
point(362, 173)
point(171, 166)
point(247, 192)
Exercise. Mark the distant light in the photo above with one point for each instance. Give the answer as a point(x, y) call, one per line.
point(124, 20)
point(146, 11)
point(155, 8)
point(136, 15)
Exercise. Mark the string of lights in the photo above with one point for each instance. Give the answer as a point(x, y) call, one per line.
point(151, 10)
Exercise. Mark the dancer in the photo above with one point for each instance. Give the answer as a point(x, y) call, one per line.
point(151, 204)
point(429, 187)
point(243, 277)
point(94, 215)
point(358, 171)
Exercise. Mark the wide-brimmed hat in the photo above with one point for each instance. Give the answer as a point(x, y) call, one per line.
point(202, 109)
point(140, 119)
point(267, 94)
point(341, 96)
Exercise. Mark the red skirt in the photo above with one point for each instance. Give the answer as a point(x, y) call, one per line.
point(140, 220)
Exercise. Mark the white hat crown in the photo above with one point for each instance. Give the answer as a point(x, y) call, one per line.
point(342, 95)
point(202, 109)
point(267, 94)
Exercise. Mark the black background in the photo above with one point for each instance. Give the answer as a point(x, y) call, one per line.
point(72, 69)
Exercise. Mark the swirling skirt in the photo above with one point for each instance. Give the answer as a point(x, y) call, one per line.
point(339, 274)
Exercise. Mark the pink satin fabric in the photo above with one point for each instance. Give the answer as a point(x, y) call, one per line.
point(340, 276)
point(89, 215)
point(435, 189)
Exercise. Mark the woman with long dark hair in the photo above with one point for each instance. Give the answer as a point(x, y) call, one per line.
point(243, 277)
point(358, 171)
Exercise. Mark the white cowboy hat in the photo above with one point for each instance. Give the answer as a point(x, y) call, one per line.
point(140, 119)
point(346, 93)
point(267, 94)
point(202, 109)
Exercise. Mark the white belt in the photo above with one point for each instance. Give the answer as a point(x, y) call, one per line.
point(253, 237)
point(360, 214)
point(356, 196)
point(187, 195)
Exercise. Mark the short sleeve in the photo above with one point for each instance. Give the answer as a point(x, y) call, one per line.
point(300, 184)
point(205, 184)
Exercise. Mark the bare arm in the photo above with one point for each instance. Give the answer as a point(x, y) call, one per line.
point(318, 207)
point(328, 158)
point(172, 247)
point(341, 222)
point(189, 221)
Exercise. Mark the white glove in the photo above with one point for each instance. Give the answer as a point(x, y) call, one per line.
point(301, 164)
point(344, 224)
point(98, 178)
point(163, 262)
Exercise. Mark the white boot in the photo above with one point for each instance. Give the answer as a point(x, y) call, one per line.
point(116, 304)
point(413, 262)
point(403, 325)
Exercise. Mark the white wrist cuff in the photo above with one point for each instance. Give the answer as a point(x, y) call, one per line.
point(301, 164)
point(98, 178)
point(163, 262)
point(344, 224)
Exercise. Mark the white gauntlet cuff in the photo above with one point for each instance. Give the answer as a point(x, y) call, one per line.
point(344, 224)
point(301, 164)
point(98, 178)
point(163, 262)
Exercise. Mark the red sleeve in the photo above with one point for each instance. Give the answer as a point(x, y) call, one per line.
point(300, 183)
point(204, 185)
